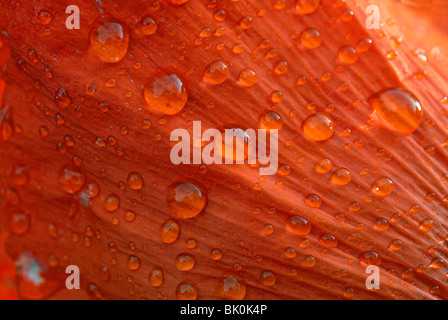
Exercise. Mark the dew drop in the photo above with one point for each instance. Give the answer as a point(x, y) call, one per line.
point(186, 290)
point(382, 187)
point(186, 199)
point(271, 120)
point(44, 17)
point(156, 277)
point(20, 175)
point(232, 287)
point(177, 2)
point(166, 93)
point(216, 254)
point(363, 45)
point(109, 41)
point(313, 201)
point(62, 98)
point(34, 278)
point(324, 165)
point(112, 203)
point(185, 261)
point(133, 263)
point(381, 224)
point(248, 77)
point(268, 278)
point(398, 107)
point(216, 72)
point(169, 231)
point(348, 55)
point(135, 181)
point(148, 25)
point(311, 38)
point(6, 125)
point(426, 225)
point(71, 180)
point(318, 127)
point(247, 22)
point(328, 240)
point(19, 221)
point(370, 258)
point(341, 177)
point(298, 225)
point(307, 6)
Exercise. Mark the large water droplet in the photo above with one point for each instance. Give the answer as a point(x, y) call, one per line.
point(398, 107)
point(166, 93)
point(186, 199)
point(298, 225)
point(169, 231)
point(71, 180)
point(318, 127)
point(232, 287)
point(110, 41)
point(186, 290)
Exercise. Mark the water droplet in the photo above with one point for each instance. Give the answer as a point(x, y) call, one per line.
point(313, 201)
point(328, 240)
point(109, 41)
point(92, 189)
point(112, 203)
point(19, 221)
point(398, 107)
point(370, 258)
point(290, 252)
point(247, 22)
point(135, 181)
point(34, 278)
point(44, 17)
point(318, 127)
point(133, 263)
point(216, 72)
point(169, 231)
point(220, 15)
point(324, 165)
point(311, 38)
point(382, 187)
point(186, 199)
point(71, 180)
point(307, 6)
point(177, 2)
point(381, 224)
point(348, 55)
point(396, 244)
point(298, 225)
point(363, 45)
point(216, 254)
point(186, 290)
point(271, 120)
point(156, 277)
point(166, 93)
point(281, 67)
point(248, 77)
point(185, 262)
point(148, 25)
point(20, 175)
point(268, 278)
point(232, 287)
point(341, 177)
point(280, 4)
point(62, 98)
point(426, 225)
point(6, 125)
